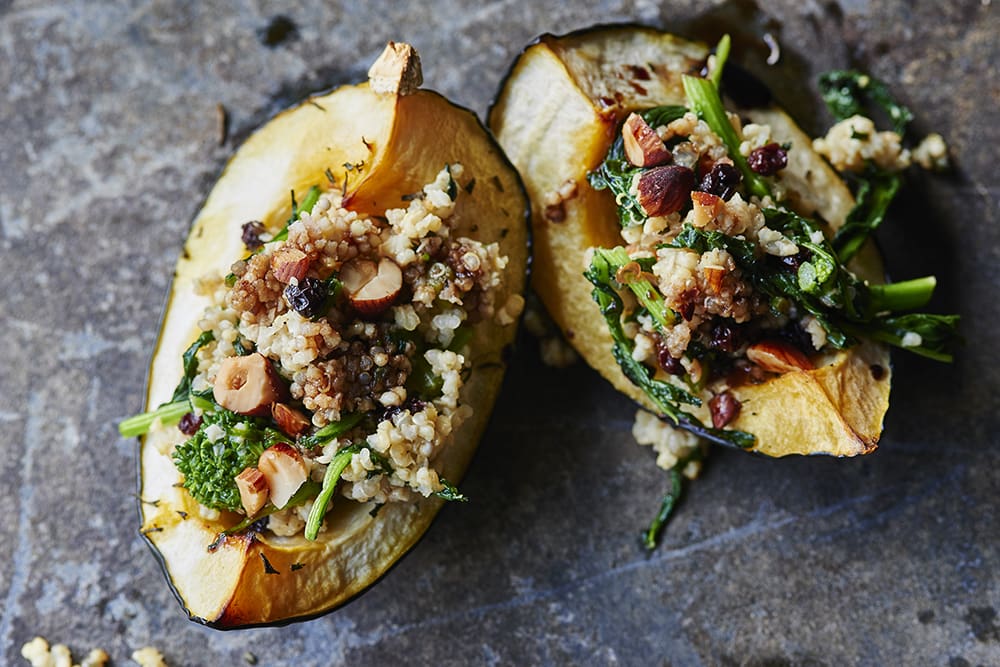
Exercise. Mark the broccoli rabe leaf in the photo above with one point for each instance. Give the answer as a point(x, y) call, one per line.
point(849, 92)
point(875, 191)
point(938, 333)
point(190, 365)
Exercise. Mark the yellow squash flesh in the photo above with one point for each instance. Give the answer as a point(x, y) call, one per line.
point(556, 118)
point(403, 142)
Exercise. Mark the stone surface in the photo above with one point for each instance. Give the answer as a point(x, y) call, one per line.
point(109, 141)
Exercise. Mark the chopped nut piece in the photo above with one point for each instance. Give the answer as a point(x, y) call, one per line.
point(285, 471)
point(247, 385)
point(663, 190)
point(253, 490)
point(397, 70)
point(643, 147)
point(777, 356)
point(289, 420)
point(713, 277)
point(706, 208)
point(371, 288)
point(288, 263)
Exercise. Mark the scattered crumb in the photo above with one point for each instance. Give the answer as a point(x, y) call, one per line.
point(148, 657)
point(670, 444)
point(932, 153)
point(39, 654)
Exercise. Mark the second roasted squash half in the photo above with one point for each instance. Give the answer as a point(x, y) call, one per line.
point(559, 113)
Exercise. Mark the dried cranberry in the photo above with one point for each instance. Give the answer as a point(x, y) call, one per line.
point(251, 234)
point(189, 424)
point(794, 261)
point(724, 408)
point(668, 362)
point(768, 160)
point(725, 337)
point(721, 180)
point(308, 297)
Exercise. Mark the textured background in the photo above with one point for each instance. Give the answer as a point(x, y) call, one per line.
point(108, 142)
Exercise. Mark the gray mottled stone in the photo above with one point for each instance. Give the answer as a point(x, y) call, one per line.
point(108, 142)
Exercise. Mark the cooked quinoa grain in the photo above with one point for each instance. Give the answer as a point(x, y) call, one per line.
point(396, 371)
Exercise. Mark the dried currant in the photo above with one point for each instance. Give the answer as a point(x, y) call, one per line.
point(307, 297)
point(721, 180)
point(251, 234)
point(768, 160)
point(189, 424)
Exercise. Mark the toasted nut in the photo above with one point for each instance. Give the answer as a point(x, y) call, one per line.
point(285, 471)
point(713, 277)
point(724, 408)
point(369, 287)
point(397, 70)
point(288, 263)
point(777, 356)
point(663, 190)
point(289, 420)
point(643, 147)
point(247, 385)
point(253, 490)
point(706, 207)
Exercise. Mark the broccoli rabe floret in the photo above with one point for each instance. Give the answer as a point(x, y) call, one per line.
point(226, 443)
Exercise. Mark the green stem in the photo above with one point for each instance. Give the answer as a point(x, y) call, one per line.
point(905, 295)
point(332, 430)
point(721, 56)
point(168, 414)
point(704, 100)
point(647, 295)
point(652, 535)
point(333, 472)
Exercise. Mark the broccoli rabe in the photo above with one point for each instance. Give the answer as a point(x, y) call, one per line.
point(223, 446)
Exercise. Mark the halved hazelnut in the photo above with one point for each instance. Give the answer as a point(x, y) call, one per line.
point(663, 190)
point(370, 287)
point(247, 385)
point(706, 207)
point(285, 471)
point(288, 263)
point(777, 356)
point(253, 490)
point(643, 147)
point(289, 420)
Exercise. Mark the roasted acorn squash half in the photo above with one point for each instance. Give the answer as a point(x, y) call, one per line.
point(557, 115)
point(395, 143)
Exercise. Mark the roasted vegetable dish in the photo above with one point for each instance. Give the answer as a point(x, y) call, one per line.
point(332, 348)
point(707, 258)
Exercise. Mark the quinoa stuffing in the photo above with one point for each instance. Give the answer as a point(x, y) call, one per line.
point(720, 282)
point(333, 356)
